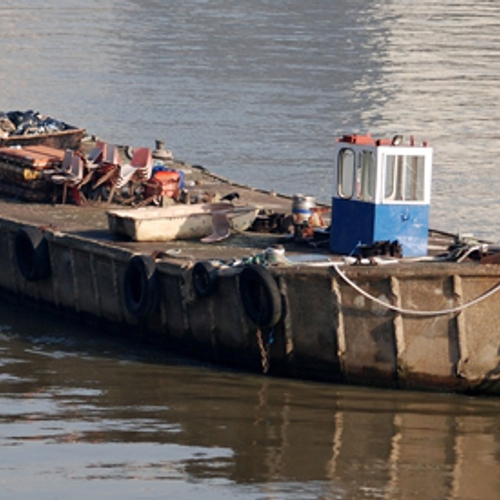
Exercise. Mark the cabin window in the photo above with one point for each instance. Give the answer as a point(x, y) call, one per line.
point(404, 178)
point(345, 178)
point(365, 176)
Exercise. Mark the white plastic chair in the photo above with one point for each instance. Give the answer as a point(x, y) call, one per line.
point(71, 173)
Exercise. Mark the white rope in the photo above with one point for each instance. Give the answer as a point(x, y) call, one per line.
point(414, 312)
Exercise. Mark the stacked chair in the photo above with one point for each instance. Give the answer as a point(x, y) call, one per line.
point(103, 176)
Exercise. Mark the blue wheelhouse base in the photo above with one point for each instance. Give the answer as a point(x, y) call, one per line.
point(356, 223)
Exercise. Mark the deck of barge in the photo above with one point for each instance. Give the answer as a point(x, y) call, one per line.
point(90, 221)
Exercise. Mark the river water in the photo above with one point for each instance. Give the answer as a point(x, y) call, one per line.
point(257, 91)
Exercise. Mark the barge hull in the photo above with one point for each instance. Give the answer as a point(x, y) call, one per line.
point(326, 331)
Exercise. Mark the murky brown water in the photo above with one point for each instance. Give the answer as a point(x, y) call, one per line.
point(79, 411)
point(257, 90)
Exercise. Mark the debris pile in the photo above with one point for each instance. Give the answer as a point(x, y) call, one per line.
point(18, 123)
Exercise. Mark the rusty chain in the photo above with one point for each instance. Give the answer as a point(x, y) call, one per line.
point(264, 351)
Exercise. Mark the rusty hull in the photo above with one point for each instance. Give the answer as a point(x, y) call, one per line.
point(327, 330)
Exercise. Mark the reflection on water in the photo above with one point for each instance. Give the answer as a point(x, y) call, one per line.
point(76, 408)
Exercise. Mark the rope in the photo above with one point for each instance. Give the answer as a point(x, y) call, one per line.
point(264, 351)
point(414, 312)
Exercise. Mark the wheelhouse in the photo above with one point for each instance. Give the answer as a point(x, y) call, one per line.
point(382, 192)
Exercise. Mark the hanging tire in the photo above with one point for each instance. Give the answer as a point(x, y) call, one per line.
point(141, 286)
point(260, 296)
point(205, 278)
point(32, 254)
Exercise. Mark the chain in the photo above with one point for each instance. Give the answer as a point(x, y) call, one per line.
point(264, 351)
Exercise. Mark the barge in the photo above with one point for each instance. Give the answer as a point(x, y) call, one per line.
point(359, 292)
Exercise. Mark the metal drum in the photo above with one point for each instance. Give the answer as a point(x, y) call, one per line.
point(302, 208)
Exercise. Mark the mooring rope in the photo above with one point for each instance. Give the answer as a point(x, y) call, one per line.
point(414, 312)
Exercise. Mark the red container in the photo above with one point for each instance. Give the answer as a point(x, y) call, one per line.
point(167, 183)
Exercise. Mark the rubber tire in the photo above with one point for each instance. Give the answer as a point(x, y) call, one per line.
point(260, 296)
point(141, 286)
point(32, 254)
point(205, 279)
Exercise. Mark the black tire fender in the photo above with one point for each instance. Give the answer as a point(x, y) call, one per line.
point(141, 286)
point(32, 254)
point(260, 295)
point(204, 278)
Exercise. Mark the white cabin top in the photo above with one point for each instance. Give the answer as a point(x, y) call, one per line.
point(382, 171)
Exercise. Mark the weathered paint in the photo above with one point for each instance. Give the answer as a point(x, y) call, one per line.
point(456, 351)
point(328, 330)
point(311, 319)
point(369, 223)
